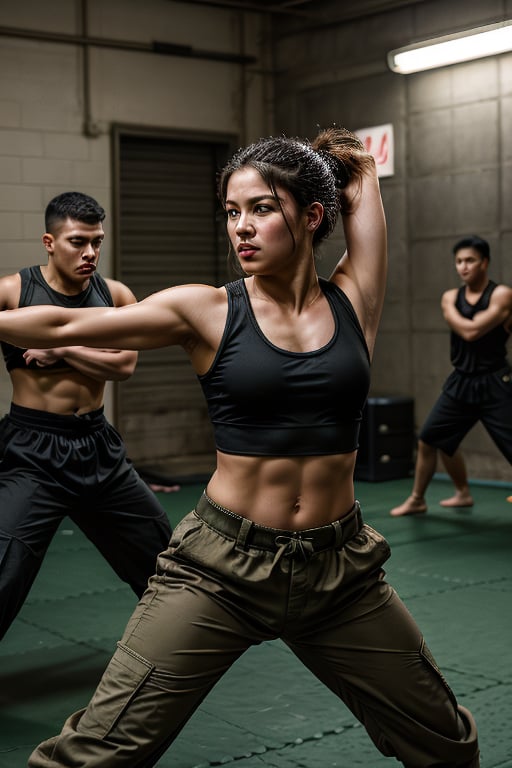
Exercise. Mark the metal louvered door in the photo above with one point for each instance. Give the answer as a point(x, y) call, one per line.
point(169, 232)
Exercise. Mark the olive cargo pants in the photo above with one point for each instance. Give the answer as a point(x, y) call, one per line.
point(225, 584)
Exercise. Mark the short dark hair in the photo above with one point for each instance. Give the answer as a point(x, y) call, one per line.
point(72, 205)
point(475, 242)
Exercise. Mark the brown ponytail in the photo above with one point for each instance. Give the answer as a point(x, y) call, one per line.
point(346, 156)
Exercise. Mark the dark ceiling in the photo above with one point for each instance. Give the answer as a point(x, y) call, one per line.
point(311, 10)
point(284, 7)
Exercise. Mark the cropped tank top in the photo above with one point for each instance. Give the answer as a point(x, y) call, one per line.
point(35, 291)
point(484, 355)
point(267, 401)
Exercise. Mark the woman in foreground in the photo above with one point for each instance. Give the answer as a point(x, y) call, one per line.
point(276, 546)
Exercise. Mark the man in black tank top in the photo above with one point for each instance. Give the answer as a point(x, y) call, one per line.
point(59, 454)
point(479, 388)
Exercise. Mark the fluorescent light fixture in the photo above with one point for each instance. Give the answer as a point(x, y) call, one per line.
point(451, 49)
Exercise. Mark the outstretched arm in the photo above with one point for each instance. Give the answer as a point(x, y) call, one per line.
point(98, 364)
point(135, 326)
point(497, 313)
point(192, 316)
point(361, 272)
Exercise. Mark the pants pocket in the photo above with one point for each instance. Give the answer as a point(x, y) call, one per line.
point(123, 678)
point(427, 656)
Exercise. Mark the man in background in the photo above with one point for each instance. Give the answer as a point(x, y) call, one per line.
point(60, 455)
point(479, 388)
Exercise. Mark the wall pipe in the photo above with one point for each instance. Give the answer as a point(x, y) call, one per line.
point(155, 46)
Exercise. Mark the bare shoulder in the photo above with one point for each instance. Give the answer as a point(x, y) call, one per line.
point(197, 313)
point(450, 295)
point(121, 294)
point(10, 289)
point(199, 306)
point(503, 294)
point(192, 296)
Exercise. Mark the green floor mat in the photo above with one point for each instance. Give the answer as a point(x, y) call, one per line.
point(453, 568)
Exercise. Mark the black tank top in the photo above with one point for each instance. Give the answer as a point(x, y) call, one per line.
point(487, 354)
point(35, 291)
point(267, 401)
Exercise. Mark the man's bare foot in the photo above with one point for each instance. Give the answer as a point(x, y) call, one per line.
point(459, 499)
point(411, 506)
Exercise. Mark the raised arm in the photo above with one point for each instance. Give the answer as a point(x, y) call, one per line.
point(498, 312)
point(362, 270)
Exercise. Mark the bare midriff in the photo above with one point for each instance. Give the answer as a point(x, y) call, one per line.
point(59, 390)
point(291, 493)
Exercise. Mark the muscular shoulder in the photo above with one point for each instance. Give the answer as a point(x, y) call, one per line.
point(191, 299)
point(10, 289)
point(120, 292)
point(449, 295)
point(503, 295)
point(196, 313)
point(201, 305)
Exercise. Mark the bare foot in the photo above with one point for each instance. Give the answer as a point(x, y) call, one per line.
point(509, 498)
point(157, 488)
point(411, 506)
point(459, 499)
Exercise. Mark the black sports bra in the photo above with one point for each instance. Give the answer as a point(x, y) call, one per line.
point(267, 401)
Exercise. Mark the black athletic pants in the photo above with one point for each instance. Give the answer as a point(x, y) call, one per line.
point(55, 466)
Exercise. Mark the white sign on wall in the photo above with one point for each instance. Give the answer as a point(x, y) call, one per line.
point(379, 142)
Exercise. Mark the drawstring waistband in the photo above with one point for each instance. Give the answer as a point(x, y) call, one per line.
point(301, 544)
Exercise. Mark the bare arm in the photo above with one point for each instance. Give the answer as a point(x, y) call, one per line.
point(497, 313)
point(98, 364)
point(362, 270)
point(191, 316)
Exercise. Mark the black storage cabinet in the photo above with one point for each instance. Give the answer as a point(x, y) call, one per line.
point(386, 440)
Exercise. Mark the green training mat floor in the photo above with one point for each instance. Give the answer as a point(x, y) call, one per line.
point(453, 569)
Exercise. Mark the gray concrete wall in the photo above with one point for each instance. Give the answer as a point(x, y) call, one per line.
point(453, 138)
point(453, 169)
point(56, 136)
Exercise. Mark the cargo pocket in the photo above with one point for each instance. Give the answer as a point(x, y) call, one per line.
point(426, 654)
point(123, 678)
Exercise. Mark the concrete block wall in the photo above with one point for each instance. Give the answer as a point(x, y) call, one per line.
point(453, 168)
point(55, 132)
point(453, 138)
